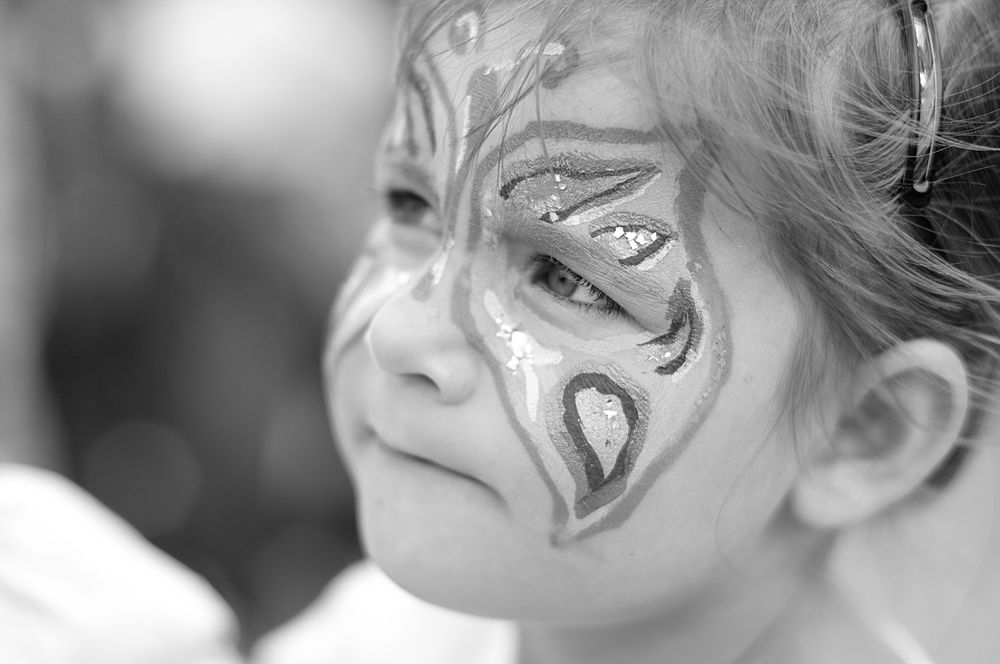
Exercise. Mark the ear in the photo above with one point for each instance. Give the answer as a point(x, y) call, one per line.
point(904, 414)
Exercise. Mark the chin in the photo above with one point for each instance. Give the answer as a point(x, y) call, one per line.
point(444, 559)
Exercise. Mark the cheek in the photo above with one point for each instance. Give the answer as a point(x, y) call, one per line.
point(598, 420)
point(602, 419)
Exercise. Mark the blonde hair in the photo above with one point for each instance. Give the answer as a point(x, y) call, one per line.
point(803, 107)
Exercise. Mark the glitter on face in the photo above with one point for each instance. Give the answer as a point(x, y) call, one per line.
point(466, 32)
point(590, 495)
point(634, 239)
point(602, 419)
point(587, 187)
point(682, 341)
point(600, 433)
point(525, 352)
point(590, 444)
point(552, 49)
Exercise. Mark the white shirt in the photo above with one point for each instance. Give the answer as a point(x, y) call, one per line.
point(364, 618)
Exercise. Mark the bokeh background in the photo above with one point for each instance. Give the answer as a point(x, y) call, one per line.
point(183, 184)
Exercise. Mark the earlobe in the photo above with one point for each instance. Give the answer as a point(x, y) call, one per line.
point(905, 414)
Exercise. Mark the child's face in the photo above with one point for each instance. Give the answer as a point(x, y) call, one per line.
point(556, 362)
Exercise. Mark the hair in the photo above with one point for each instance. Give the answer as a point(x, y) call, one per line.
point(804, 110)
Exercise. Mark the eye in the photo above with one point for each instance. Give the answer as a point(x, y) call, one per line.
point(564, 284)
point(406, 207)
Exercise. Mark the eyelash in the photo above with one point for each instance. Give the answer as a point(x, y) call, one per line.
point(604, 304)
point(407, 208)
point(403, 205)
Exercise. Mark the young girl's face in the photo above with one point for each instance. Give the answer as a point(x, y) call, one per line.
point(554, 368)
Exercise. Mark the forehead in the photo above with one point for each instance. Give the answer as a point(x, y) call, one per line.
point(536, 76)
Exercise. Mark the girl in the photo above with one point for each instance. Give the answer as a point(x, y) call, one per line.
point(676, 339)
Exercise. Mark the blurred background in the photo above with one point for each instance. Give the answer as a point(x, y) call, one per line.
point(182, 186)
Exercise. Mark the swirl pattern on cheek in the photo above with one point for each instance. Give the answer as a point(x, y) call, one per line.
point(599, 433)
point(685, 323)
point(594, 414)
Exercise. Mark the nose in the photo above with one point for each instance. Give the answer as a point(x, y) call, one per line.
point(418, 341)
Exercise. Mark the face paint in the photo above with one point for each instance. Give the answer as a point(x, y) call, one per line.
point(466, 32)
point(562, 67)
point(525, 352)
point(588, 187)
point(637, 240)
point(437, 270)
point(421, 89)
point(552, 49)
point(600, 425)
point(483, 91)
point(416, 132)
point(615, 423)
point(682, 342)
point(604, 462)
point(371, 283)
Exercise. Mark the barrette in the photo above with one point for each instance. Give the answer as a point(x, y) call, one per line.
point(927, 93)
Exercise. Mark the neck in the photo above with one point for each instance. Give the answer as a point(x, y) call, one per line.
point(725, 626)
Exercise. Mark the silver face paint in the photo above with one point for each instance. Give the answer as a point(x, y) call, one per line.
point(437, 270)
point(552, 49)
point(604, 425)
point(525, 352)
point(588, 187)
point(611, 423)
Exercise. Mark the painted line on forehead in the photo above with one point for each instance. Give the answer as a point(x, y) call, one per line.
point(482, 91)
point(690, 209)
point(466, 32)
point(461, 307)
point(475, 103)
point(418, 84)
point(563, 67)
point(409, 134)
point(689, 206)
point(478, 105)
point(545, 130)
point(439, 90)
point(573, 188)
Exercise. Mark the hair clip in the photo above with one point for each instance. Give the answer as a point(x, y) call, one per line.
point(927, 92)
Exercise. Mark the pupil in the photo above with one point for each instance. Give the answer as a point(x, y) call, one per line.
point(561, 283)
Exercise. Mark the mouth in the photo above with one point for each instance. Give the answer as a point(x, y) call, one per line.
point(395, 452)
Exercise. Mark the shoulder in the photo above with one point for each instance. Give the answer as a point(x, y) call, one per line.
point(363, 616)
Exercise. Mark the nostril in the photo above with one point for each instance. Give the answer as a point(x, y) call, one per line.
point(420, 380)
point(406, 339)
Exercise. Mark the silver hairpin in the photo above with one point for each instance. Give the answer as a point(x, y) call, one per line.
point(928, 90)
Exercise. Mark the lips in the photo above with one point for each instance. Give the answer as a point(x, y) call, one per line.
point(405, 448)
